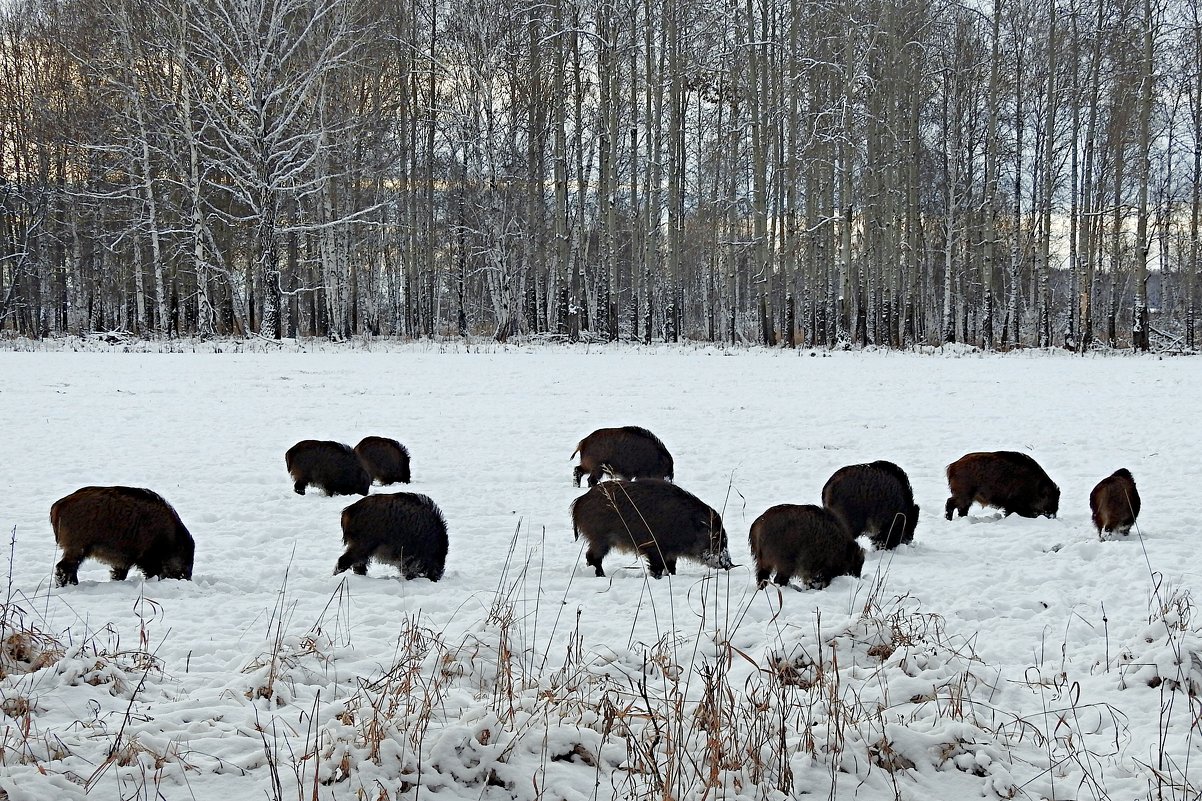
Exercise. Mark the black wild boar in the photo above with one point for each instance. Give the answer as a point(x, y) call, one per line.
point(1115, 503)
point(650, 517)
point(385, 460)
point(1009, 480)
point(403, 529)
point(807, 541)
point(874, 499)
point(628, 452)
point(123, 527)
point(331, 466)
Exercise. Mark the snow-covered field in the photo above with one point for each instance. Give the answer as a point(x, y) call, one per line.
point(995, 657)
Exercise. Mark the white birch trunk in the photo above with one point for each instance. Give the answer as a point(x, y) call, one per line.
point(1139, 325)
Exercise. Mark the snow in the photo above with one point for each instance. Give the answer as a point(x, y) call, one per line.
point(994, 657)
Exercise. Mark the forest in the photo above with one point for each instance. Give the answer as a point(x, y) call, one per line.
point(1001, 173)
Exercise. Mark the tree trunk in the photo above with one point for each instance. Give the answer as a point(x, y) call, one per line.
point(152, 213)
point(1049, 151)
point(988, 266)
point(1139, 324)
point(951, 179)
point(1088, 226)
point(1194, 267)
point(206, 317)
point(846, 154)
point(1013, 324)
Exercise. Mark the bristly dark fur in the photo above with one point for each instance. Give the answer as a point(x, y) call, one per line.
point(807, 541)
point(874, 499)
point(385, 460)
point(330, 466)
point(403, 529)
point(123, 527)
point(1115, 503)
point(1011, 481)
point(650, 517)
point(629, 452)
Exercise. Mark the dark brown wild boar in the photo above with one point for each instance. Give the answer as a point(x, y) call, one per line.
point(330, 466)
point(123, 527)
point(628, 452)
point(1115, 503)
point(1009, 480)
point(807, 541)
point(403, 529)
point(874, 499)
point(652, 518)
point(385, 460)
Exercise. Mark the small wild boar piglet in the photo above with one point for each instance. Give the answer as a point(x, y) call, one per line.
point(123, 527)
point(652, 518)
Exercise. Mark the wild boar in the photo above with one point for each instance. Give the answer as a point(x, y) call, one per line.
point(1009, 480)
point(628, 452)
point(403, 529)
point(807, 541)
point(385, 460)
point(1115, 503)
point(653, 518)
point(330, 466)
point(874, 499)
point(123, 527)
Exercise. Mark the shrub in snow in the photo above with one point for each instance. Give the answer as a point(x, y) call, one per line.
point(1171, 659)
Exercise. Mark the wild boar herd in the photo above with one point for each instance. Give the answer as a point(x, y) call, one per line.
point(640, 510)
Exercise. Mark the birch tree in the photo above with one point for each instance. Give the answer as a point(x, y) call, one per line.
point(1194, 265)
point(266, 62)
point(1139, 325)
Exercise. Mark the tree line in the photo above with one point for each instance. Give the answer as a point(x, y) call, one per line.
point(886, 172)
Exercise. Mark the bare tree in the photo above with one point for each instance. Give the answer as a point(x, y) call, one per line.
point(1194, 264)
point(1139, 325)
